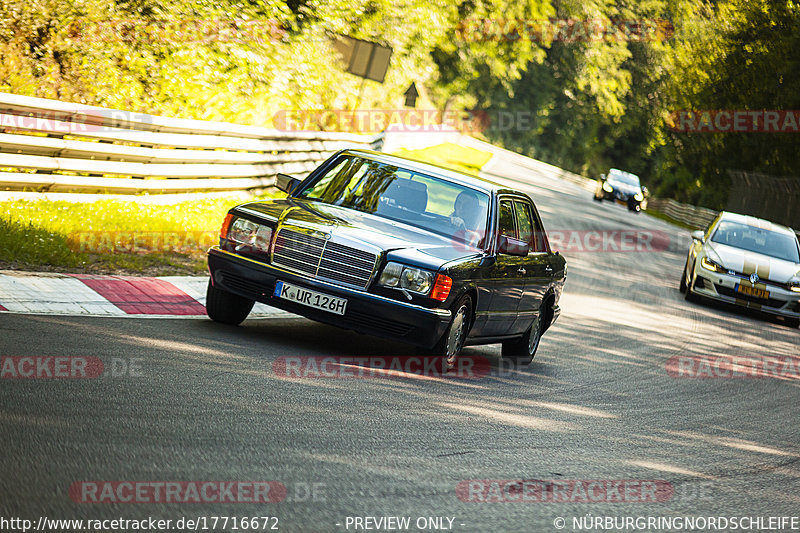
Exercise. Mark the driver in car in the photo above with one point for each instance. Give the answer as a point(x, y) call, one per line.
point(465, 214)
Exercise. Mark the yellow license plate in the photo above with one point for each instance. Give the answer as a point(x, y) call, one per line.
point(752, 291)
point(621, 202)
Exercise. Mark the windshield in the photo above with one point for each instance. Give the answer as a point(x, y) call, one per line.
point(624, 177)
point(389, 191)
point(753, 239)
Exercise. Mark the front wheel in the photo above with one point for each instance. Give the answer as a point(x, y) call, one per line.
point(451, 343)
point(682, 286)
point(522, 350)
point(222, 306)
point(689, 295)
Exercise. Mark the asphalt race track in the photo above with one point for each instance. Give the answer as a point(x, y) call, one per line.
point(191, 400)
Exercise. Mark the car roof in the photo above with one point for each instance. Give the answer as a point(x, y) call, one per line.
point(756, 222)
point(434, 170)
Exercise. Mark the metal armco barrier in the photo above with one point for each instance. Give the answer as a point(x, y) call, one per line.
point(53, 146)
point(699, 217)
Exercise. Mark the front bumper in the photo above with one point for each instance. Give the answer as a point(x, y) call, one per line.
point(619, 197)
point(722, 287)
point(365, 313)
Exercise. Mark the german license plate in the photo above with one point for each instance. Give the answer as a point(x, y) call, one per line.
point(752, 291)
point(309, 298)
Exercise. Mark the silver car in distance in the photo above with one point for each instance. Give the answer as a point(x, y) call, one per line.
point(746, 261)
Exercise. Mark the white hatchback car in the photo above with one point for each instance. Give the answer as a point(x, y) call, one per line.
point(746, 261)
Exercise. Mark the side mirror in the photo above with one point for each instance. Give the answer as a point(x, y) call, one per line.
point(286, 183)
point(699, 236)
point(511, 246)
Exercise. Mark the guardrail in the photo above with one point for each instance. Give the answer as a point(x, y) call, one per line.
point(698, 217)
point(53, 146)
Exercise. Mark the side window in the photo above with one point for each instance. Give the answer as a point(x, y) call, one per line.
point(507, 227)
point(525, 223)
point(540, 243)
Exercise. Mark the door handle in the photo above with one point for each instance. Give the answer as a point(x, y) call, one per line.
point(522, 271)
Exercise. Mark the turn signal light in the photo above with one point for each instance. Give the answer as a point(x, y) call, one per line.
point(441, 287)
point(223, 231)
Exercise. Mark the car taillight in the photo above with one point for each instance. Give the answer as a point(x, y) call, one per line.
point(441, 287)
point(223, 231)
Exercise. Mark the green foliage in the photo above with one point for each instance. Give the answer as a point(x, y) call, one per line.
point(46, 234)
point(594, 103)
point(605, 104)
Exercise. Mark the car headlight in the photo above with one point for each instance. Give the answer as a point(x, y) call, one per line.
point(638, 196)
point(607, 187)
point(246, 235)
point(795, 286)
point(405, 277)
point(708, 264)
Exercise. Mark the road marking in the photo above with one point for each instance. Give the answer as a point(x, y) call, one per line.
point(45, 293)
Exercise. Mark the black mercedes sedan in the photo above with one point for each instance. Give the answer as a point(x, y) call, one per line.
point(395, 248)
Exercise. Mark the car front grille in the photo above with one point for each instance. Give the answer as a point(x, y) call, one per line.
point(727, 291)
point(321, 258)
point(741, 275)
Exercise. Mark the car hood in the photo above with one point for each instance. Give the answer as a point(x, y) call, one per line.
point(766, 267)
point(400, 241)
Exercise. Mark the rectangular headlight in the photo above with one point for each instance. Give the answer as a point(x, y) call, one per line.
point(708, 264)
point(405, 277)
point(248, 236)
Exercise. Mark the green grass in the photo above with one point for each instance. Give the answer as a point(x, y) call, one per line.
point(98, 237)
point(449, 155)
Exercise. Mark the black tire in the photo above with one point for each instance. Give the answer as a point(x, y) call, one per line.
point(793, 323)
point(690, 296)
point(523, 350)
point(682, 286)
point(597, 198)
point(227, 308)
point(451, 343)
